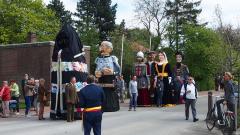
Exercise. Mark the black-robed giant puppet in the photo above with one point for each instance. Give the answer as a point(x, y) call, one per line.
point(107, 68)
point(180, 76)
point(67, 61)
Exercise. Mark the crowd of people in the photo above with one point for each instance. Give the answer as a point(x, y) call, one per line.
point(34, 92)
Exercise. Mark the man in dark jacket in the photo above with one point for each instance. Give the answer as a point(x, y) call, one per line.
point(71, 98)
point(91, 99)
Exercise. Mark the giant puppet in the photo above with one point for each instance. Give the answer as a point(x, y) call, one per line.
point(180, 76)
point(67, 61)
point(107, 68)
point(140, 71)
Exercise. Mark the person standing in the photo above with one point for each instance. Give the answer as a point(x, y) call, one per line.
point(189, 91)
point(229, 97)
point(6, 96)
point(35, 96)
point(120, 84)
point(71, 99)
point(133, 91)
point(15, 93)
point(24, 82)
point(91, 99)
point(42, 98)
point(28, 90)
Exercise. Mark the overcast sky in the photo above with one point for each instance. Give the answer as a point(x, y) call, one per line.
point(125, 10)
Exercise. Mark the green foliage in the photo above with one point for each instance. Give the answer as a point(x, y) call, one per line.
point(61, 13)
point(180, 13)
point(18, 17)
point(204, 55)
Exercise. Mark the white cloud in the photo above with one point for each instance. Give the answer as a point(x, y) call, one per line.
point(125, 10)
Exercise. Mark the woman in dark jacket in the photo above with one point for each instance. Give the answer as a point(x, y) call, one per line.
point(42, 98)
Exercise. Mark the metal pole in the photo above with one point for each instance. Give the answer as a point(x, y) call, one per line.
point(150, 42)
point(210, 101)
point(238, 90)
point(122, 53)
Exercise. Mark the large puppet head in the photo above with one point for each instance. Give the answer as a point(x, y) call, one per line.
point(105, 48)
point(162, 57)
point(151, 56)
point(179, 57)
point(140, 56)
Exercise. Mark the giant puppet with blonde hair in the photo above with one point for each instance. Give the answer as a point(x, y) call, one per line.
point(107, 68)
point(140, 71)
point(163, 75)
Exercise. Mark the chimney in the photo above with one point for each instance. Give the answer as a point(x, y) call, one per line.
point(31, 37)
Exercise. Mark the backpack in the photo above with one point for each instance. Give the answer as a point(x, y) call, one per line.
point(185, 87)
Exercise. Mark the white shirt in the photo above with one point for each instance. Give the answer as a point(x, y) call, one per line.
point(191, 94)
point(133, 87)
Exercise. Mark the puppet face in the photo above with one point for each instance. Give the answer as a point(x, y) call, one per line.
point(105, 50)
point(139, 59)
point(161, 57)
point(179, 58)
point(151, 57)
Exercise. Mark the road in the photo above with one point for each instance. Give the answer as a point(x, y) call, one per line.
point(145, 121)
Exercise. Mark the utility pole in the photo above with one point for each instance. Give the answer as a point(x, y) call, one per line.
point(122, 53)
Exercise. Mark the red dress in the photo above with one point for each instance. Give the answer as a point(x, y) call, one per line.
point(142, 84)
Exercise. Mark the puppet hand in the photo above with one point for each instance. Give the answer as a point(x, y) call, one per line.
point(98, 74)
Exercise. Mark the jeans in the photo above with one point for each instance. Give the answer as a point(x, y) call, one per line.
point(133, 101)
point(17, 107)
point(192, 103)
point(28, 104)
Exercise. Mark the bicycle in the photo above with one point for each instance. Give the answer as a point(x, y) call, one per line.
point(228, 125)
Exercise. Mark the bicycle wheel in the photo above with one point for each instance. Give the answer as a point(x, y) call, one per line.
point(210, 120)
point(228, 128)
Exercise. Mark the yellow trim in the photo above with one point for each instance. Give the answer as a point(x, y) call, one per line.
point(163, 69)
point(163, 74)
point(93, 108)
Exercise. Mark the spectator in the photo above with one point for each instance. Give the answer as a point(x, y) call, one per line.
point(28, 94)
point(42, 98)
point(189, 91)
point(71, 99)
point(6, 96)
point(229, 97)
point(133, 93)
point(24, 82)
point(15, 93)
point(35, 96)
point(120, 88)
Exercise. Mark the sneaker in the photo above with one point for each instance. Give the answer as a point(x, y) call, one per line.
point(17, 113)
point(195, 120)
point(129, 109)
point(186, 119)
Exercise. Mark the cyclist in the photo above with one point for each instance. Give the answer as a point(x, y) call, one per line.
point(229, 97)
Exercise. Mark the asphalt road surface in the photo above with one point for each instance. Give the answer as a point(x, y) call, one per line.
point(145, 121)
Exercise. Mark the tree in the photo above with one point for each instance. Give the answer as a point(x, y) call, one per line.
point(105, 16)
point(64, 15)
point(231, 43)
point(204, 54)
point(18, 17)
point(151, 14)
point(179, 13)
